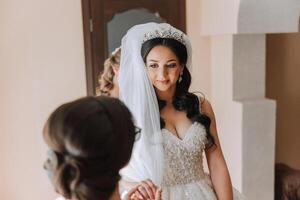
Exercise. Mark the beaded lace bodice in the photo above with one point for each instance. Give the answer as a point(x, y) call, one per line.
point(184, 157)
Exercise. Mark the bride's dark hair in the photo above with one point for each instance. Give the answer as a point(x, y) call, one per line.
point(90, 140)
point(183, 99)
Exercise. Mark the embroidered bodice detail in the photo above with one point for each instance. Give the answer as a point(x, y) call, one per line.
point(184, 157)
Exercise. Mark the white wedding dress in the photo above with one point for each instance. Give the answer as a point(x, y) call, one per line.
point(184, 177)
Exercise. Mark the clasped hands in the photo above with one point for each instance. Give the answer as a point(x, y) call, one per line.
point(145, 190)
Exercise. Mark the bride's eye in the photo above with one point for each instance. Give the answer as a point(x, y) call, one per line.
point(153, 65)
point(171, 65)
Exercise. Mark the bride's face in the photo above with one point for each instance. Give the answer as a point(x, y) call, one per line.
point(163, 68)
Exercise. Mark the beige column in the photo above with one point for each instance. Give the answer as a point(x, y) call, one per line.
point(245, 117)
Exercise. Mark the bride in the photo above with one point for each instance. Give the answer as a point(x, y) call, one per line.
point(177, 126)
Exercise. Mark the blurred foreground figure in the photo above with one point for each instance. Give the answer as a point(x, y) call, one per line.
point(90, 140)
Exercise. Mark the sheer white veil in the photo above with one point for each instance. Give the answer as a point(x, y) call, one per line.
point(138, 94)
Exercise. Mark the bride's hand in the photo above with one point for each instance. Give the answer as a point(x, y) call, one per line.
point(132, 196)
point(145, 190)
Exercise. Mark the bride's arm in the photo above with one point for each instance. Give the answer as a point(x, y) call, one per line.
point(216, 163)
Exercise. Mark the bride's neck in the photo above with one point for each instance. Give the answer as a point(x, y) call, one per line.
point(166, 95)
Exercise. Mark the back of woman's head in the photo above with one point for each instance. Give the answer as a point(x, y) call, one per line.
point(105, 80)
point(90, 140)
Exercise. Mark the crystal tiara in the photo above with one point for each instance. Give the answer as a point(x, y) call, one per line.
point(165, 33)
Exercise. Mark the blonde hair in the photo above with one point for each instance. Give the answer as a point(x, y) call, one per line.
point(105, 79)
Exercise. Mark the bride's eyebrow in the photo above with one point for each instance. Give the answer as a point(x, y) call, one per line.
point(171, 60)
point(153, 60)
point(158, 61)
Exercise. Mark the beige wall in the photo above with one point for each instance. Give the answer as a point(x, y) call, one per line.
point(253, 120)
point(210, 57)
point(219, 17)
point(41, 66)
point(201, 68)
point(228, 112)
point(283, 84)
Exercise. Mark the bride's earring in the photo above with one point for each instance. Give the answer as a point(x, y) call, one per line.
point(180, 77)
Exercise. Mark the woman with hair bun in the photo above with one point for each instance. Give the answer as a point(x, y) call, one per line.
point(89, 140)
